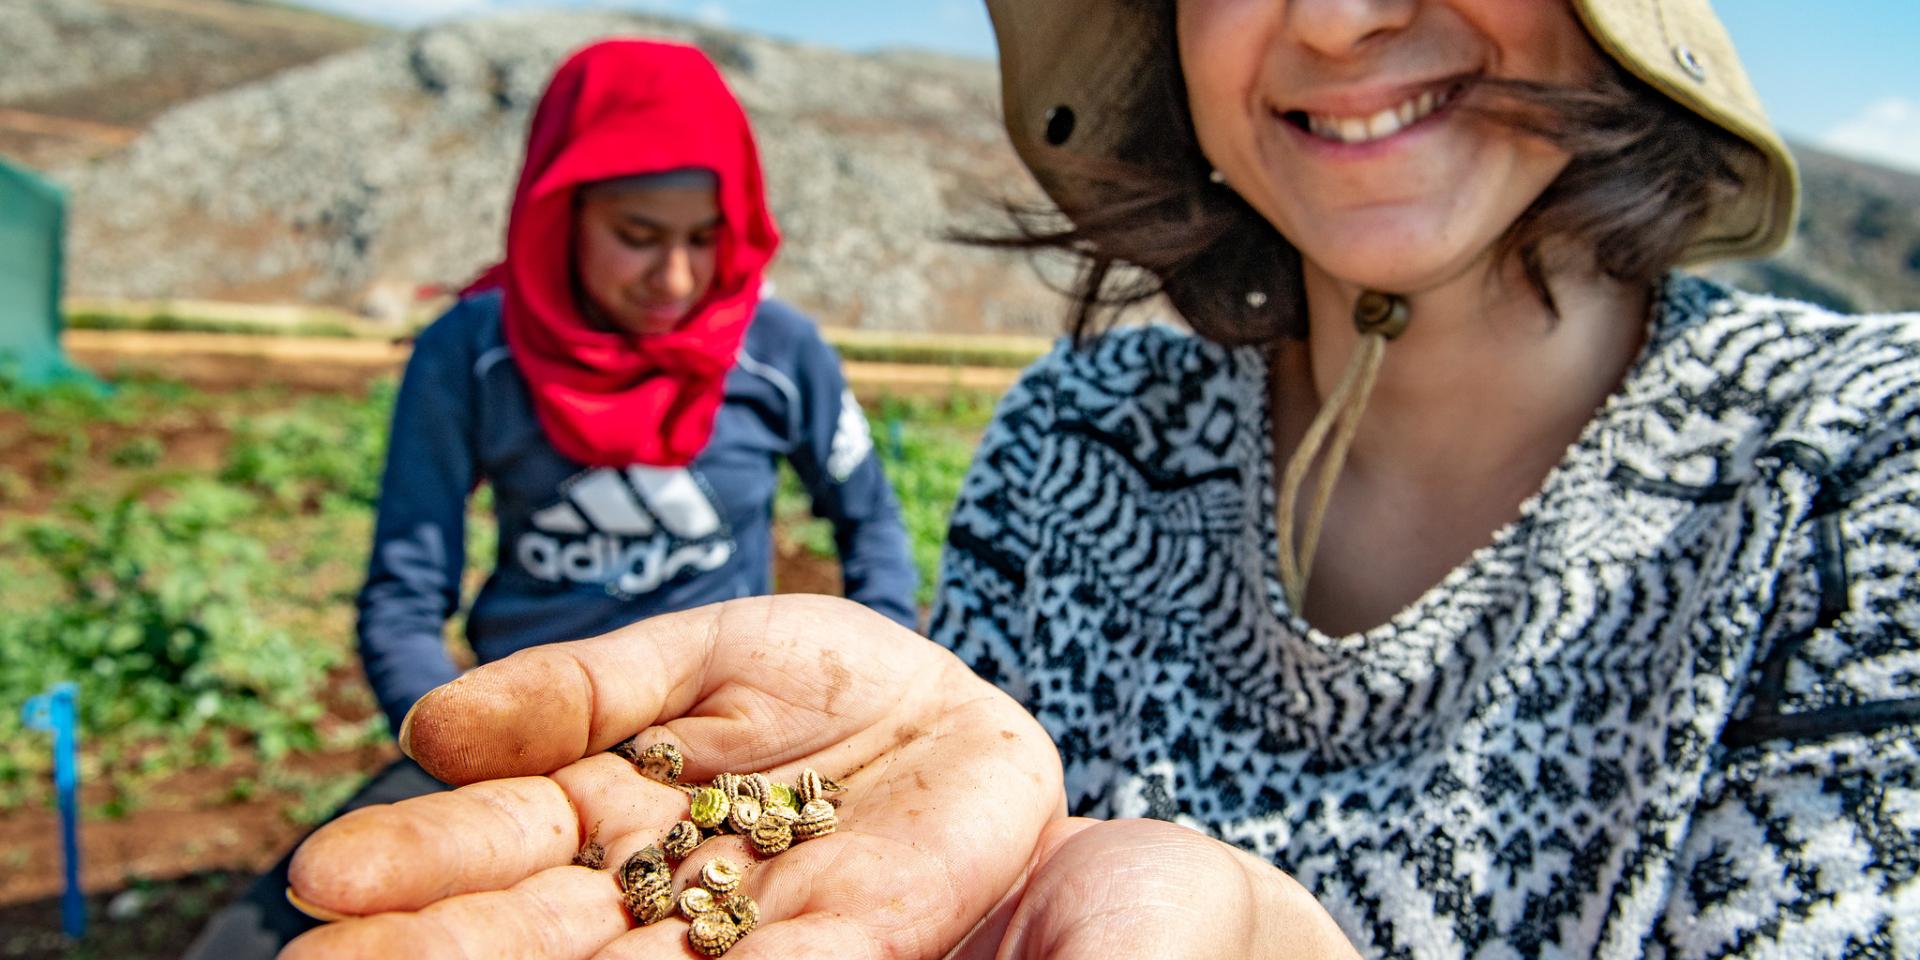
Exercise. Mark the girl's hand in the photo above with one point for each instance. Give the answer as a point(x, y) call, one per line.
point(1149, 890)
point(949, 784)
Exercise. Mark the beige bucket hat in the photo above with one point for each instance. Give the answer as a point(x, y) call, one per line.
point(1068, 67)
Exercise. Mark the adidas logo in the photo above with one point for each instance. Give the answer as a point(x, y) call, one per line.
point(629, 529)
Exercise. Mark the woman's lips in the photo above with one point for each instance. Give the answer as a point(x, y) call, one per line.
point(1374, 125)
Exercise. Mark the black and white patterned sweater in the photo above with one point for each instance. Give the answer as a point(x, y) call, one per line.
point(1671, 711)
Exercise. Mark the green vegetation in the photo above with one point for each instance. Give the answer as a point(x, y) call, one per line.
point(201, 604)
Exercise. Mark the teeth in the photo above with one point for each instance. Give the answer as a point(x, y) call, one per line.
point(1381, 125)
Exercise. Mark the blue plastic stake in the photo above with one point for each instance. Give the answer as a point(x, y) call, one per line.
point(54, 711)
point(896, 436)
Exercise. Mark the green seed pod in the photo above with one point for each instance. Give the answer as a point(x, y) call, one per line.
point(709, 808)
point(781, 795)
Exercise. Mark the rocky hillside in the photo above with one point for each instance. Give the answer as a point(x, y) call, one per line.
point(352, 180)
point(369, 163)
point(1858, 243)
point(83, 77)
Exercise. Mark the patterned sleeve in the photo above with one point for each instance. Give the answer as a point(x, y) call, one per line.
point(1806, 842)
point(981, 612)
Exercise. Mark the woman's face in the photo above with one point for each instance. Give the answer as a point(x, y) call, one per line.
point(1338, 120)
point(646, 255)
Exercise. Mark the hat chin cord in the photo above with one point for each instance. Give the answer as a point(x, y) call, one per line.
point(1379, 317)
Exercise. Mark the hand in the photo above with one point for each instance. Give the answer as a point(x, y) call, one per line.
point(1146, 889)
point(949, 784)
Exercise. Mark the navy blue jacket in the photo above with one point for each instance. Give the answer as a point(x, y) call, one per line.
point(586, 550)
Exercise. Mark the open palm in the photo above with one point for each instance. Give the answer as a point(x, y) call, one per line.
point(949, 784)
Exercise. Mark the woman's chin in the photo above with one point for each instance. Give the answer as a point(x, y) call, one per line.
point(1402, 269)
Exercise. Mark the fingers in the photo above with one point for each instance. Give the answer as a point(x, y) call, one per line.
point(754, 681)
point(983, 941)
point(558, 914)
point(406, 855)
point(486, 836)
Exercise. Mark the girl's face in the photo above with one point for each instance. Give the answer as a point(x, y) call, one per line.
point(646, 255)
point(1339, 121)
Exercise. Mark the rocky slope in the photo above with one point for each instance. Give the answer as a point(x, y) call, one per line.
point(82, 77)
point(353, 178)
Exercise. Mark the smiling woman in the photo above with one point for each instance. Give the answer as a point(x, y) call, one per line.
point(1595, 639)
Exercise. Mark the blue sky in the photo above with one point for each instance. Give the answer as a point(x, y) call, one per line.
point(1843, 74)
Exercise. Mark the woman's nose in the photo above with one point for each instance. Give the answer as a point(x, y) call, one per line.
point(673, 278)
point(1337, 28)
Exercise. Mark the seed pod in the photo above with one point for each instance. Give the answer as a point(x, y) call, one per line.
point(781, 812)
point(713, 932)
point(771, 835)
point(757, 786)
point(817, 819)
point(720, 875)
point(727, 783)
point(628, 749)
point(650, 904)
point(681, 840)
point(645, 864)
point(592, 856)
point(695, 901)
point(661, 762)
point(813, 786)
point(742, 814)
point(745, 912)
point(781, 795)
point(709, 808)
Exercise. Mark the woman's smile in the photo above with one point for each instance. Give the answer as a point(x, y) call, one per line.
point(1346, 125)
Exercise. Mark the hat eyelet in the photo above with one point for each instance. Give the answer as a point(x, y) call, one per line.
point(1690, 63)
point(1060, 124)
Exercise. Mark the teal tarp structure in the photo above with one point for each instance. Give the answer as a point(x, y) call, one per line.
point(32, 228)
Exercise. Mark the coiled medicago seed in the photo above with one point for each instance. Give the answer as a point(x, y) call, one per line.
point(757, 786)
point(771, 835)
point(781, 795)
point(681, 840)
point(713, 933)
point(813, 786)
point(742, 813)
point(744, 911)
point(695, 901)
point(721, 876)
point(817, 819)
point(661, 762)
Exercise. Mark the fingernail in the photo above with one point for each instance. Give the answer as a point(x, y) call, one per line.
point(321, 914)
point(406, 728)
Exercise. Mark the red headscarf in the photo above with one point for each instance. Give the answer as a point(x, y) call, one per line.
point(624, 108)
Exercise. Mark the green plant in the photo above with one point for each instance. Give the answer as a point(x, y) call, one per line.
point(153, 619)
point(139, 452)
point(324, 454)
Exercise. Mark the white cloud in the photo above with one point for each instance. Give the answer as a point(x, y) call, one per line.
point(713, 14)
point(1885, 131)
